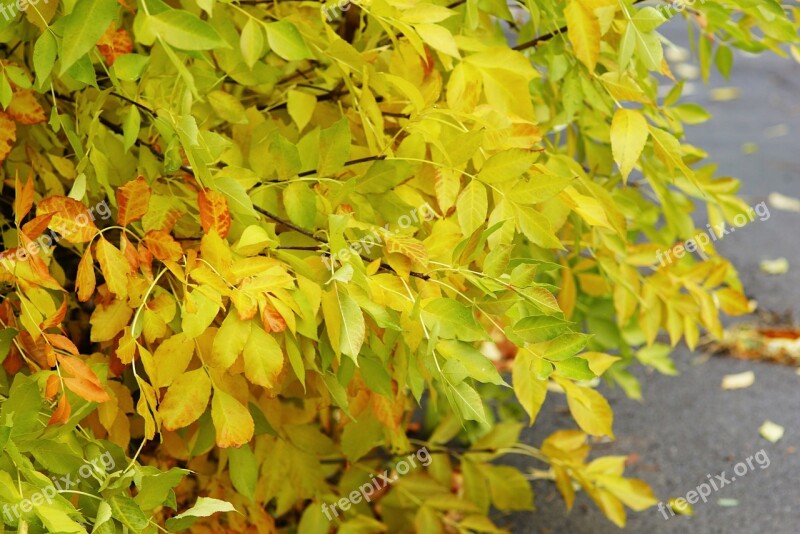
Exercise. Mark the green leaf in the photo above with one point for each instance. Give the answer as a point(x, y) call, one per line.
point(127, 511)
point(286, 41)
point(251, 42)
point(474, 362)
point(83, 28)
point(510, 490)
point(539, 328)
point(44, 56)
point(453, 319)
point(130, 127)
point(353, 329)
point(243, 469)
point(204, 507)
point(184, 30)
point(301, 204)
point(468, 403)
point(334, 147)
point(6, 338)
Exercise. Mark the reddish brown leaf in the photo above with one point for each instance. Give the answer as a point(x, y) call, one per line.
point(85, 280)
point(36, 226)
point(25, 109)
point(8, 135)
point(162, 245)
point(133, 199)
point(86, 390)
point(114, 44)
point(61, 413)
point(23, 197)
point(214, 213)
point(71, 219)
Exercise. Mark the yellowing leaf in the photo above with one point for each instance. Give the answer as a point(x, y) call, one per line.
point(8, 135)
point(71, 219)
point(25, 109)
point(628, 137)
point(353, 329)
point(172, 358)
point(186, 399)
point(263, 358)
point(529, 389)
point(114, 266)
point(108, 320)
point(133, 199)
point(23, 199)
point(590, 410)
point(114, 43)
point(506, 165)
point(229, 342)
point(233, 423)
point(583, 30)
point(472, 207)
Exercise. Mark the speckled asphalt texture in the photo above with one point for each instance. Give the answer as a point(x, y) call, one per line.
point(687, 427)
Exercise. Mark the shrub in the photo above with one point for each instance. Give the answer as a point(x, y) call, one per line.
point(247, 243)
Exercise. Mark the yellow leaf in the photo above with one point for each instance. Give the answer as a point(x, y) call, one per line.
point(25, 109)
point(114, 266)
point(229, 342)
point(530, 390)
point(583, 30)
point(232, 421)
point(186, 399)
point(263, 358)
point(590, 409)
point(108, 320)
point(628, 137)
point(172, 358)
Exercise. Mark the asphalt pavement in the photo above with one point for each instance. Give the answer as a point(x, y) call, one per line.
point(687, 427)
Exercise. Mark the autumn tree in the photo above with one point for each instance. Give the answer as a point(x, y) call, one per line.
point(258, 252)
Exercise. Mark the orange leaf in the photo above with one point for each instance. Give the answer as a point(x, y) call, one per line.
point(145, 261)
point(23, 197)
point(38, 351)
point(114, 44)
point(57, 317)
point(8, 135)
point(51, 389)
point(133, 199)
point(63, 343)
point(25, 109)
point(114, 266)
point(162, 245)
point(36, 226)
point(86, 390)
point(273, 321)
point(71, 219)
point(214, 213)
point(78, 369)
point(129, 251)
point(85, 280)
point(61, 413)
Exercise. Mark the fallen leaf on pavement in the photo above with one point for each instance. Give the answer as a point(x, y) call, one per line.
point(738, 380)
point(784, 203)
point(723, 94)
point(771, 432)
point(776, 266)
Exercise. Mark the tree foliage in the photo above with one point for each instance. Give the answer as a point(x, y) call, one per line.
point(247, 242)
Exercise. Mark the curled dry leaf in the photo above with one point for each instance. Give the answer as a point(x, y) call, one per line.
point(739, 380)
